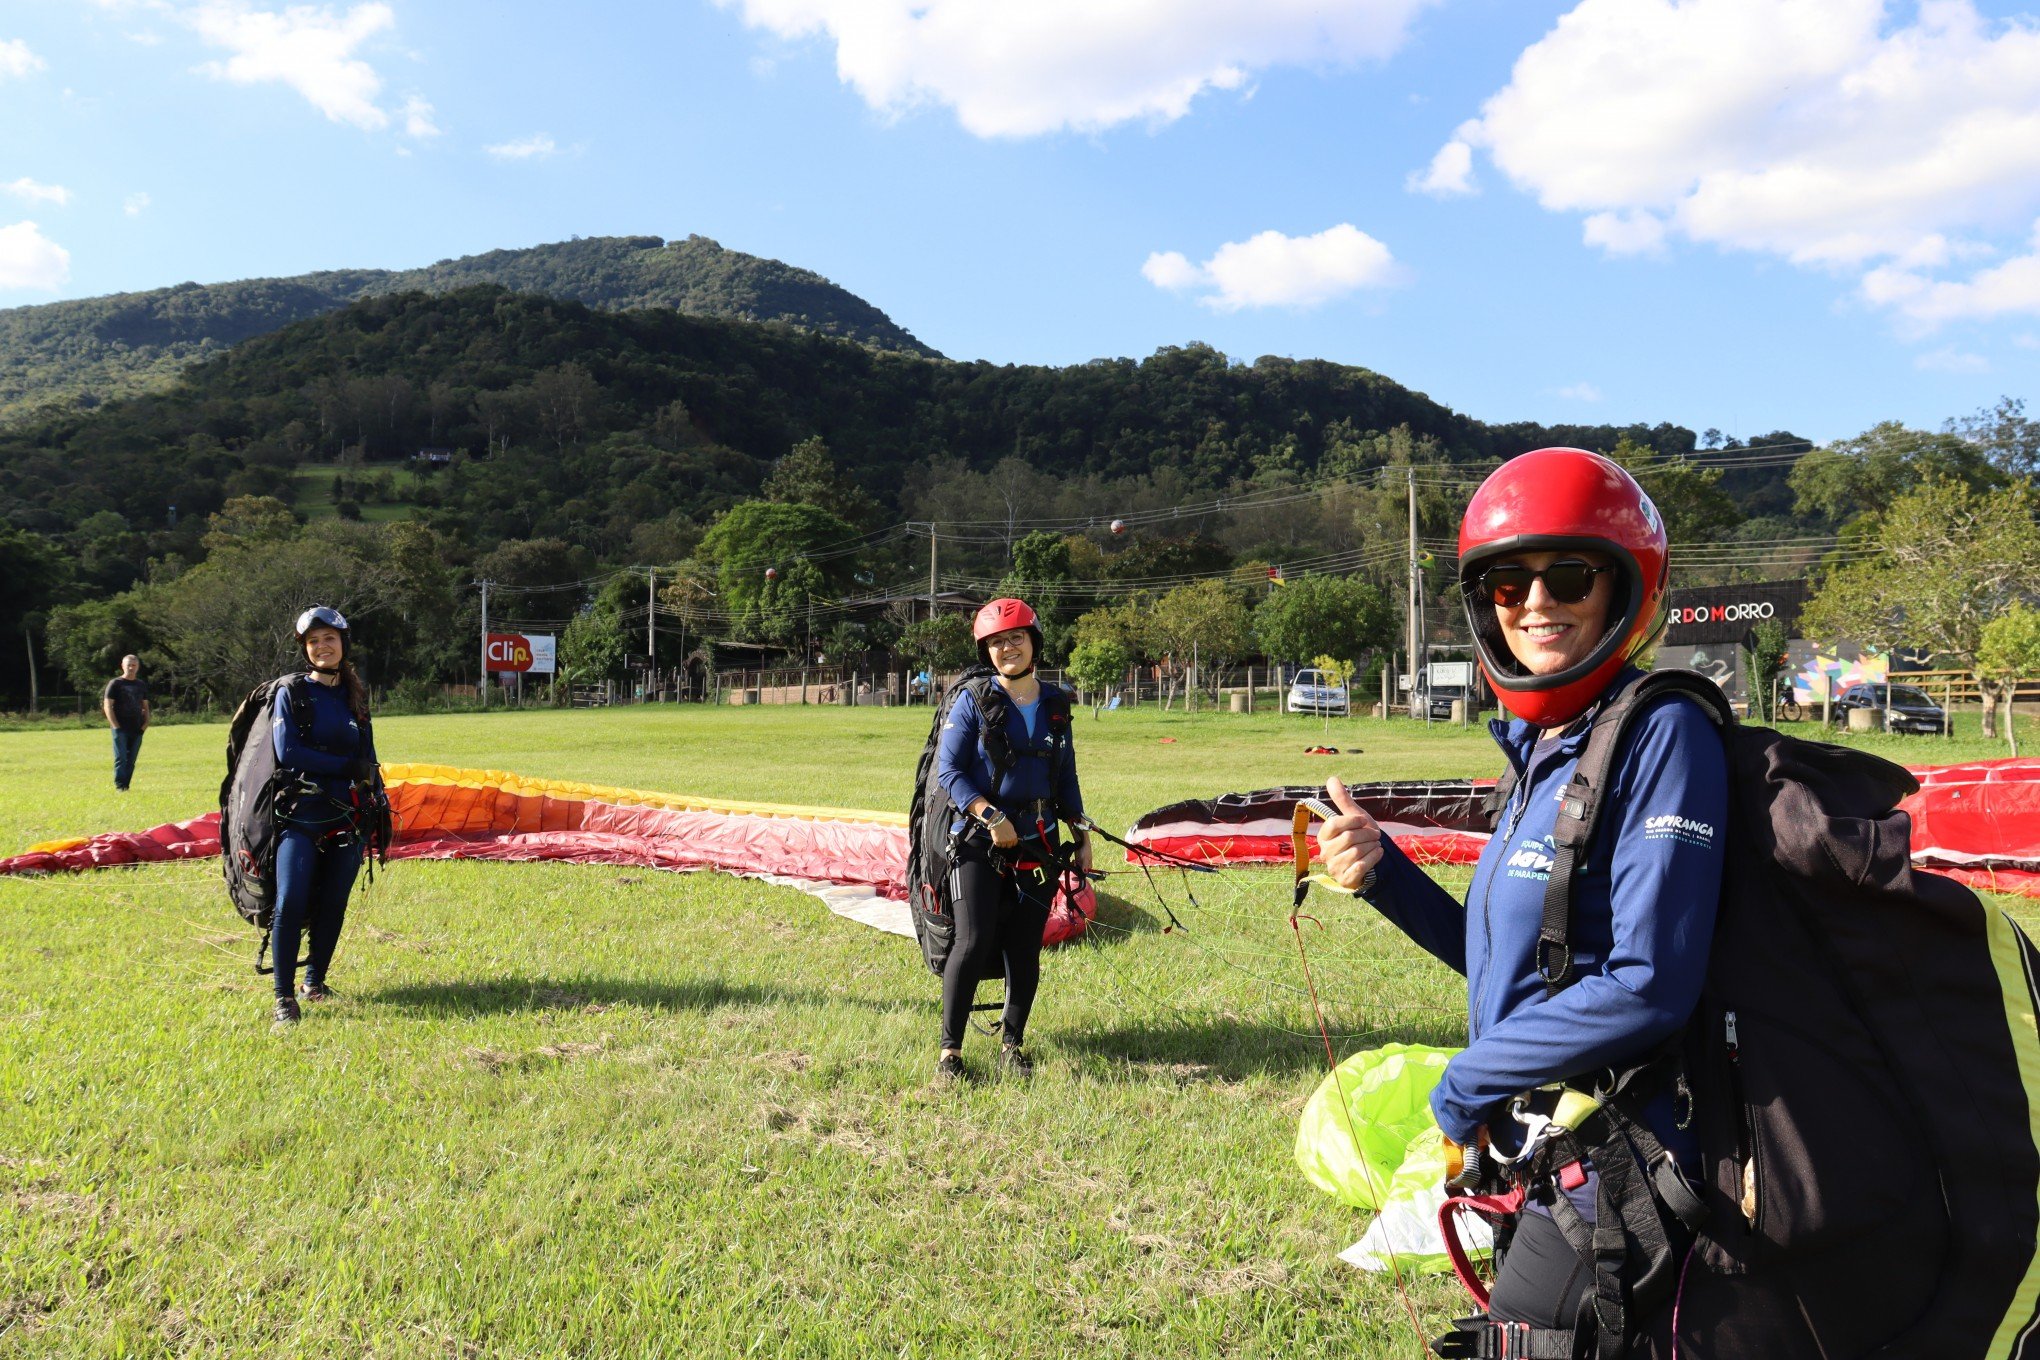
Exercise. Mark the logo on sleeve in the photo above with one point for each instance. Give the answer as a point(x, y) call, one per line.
point(1670, 826)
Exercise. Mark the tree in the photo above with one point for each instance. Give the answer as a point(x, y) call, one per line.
point(1203, 621)
point(1098, 667)
point(1330, 615)
point(1689, 498)
point(2006, 435)
point(542, 578)
point(2009, 653)
point(1853, 478)
point(942, 643)
point(86, 641)
point(1949, 559)
point(807, 476)
point(227, 625)
point(1764, 660)
point(758, 537)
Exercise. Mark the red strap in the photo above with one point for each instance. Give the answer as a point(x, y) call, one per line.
point(1490, 1206)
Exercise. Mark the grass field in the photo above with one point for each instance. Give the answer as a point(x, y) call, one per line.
point(314, 489)
point(576, 1111)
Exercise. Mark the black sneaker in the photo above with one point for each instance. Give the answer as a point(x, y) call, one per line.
point(286, 1011)
point(949, 1069)
point(314, 991)
point(1014, 1063)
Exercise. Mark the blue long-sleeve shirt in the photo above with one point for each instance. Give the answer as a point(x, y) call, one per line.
point(1643, 915)
point(964, 768)
point(336, 739)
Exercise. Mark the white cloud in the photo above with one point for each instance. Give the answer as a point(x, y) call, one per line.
point(1016, 70)
point(1171, 269)
point(1951, 361)
point(16, 60)
point(1632, 233)
point(1449, 175)
point(535, 147)
point(29, 259)
point(135, 204)
point(30, 191)
point(418, 118)
point(1273, 270)
point(1580, 391)
point(1842, 134)
point(2025, 340)
point(309, 48)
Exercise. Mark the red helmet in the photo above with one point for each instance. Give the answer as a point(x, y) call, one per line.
point(1550, 500)
point(1000, 615)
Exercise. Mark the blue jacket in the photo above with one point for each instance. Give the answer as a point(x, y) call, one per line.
point(964, 768)
point(1643, 916)
point(336, 739)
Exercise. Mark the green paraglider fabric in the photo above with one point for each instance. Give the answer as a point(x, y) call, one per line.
point(1387, 1095)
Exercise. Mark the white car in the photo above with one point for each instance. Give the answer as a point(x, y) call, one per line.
point(1313, 691)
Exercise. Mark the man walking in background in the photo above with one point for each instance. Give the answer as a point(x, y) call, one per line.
point(126, 705)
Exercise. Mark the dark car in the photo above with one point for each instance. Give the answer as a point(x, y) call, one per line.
point(1911, 709)
point(1439, 699)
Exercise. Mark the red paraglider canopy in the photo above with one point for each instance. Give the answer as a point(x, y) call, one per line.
point(1978, 822)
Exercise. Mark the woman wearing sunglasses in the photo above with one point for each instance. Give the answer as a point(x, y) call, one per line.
point(1563, 566)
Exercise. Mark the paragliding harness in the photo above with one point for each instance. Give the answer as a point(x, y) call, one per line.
point(933, 847)
point(1857, 1070)
point(257, 795)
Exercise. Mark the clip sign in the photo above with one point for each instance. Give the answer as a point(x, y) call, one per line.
point(516, 652)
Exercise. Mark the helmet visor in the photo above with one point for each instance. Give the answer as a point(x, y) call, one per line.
point(319, 616)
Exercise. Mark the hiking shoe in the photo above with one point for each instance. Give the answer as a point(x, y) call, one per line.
point(949, 1069)
point(286, 1011)
point(314, 991)
point(1014, 1063)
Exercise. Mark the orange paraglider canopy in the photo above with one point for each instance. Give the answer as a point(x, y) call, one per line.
point(854, 859)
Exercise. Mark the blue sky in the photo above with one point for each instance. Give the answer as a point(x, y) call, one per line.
point(1741, 214)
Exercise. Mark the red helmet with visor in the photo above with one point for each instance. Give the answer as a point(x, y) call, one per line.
point(1552, 500)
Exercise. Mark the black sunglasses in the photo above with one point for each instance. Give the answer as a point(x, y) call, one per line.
point(1567, 582)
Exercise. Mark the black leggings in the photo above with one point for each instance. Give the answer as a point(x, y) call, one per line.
point(1000, 915)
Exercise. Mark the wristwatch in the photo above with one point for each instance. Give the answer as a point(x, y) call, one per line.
point(993, 817)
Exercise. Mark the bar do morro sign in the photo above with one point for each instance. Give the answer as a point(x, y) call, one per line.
point(519, 652)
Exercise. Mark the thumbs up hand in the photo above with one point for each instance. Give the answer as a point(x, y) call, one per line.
point(1349, 844)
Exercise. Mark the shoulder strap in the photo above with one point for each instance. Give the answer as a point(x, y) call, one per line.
point(300, 704)
point(992, 707)
point(1580, 803)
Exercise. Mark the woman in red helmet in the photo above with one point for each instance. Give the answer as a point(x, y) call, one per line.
point(1563, 567)
point(1006, 763)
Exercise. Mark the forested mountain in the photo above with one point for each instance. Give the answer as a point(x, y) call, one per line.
point(81, 353)
point(565, 415)
point(567, 439)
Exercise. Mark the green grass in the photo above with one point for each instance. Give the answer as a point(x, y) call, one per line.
point(314, 490)
point(579, 1111)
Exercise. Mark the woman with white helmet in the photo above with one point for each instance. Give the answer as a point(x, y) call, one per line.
point(1563, 567)
point(327, 785)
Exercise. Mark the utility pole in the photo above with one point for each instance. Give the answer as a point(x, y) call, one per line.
point(485, 642)
point(651, 602)
point(1416, 603)
point(34, 696)
point(931, 569)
